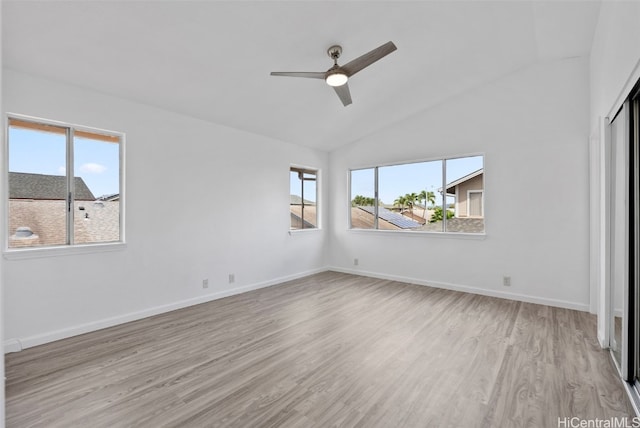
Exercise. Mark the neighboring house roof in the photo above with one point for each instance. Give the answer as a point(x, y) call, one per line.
point(463, 179)
point(393, 218)
point(47, 221)
point(24, 185)
point(297, 220)
point(107, 198)
point(297, 200)
point(361, 219)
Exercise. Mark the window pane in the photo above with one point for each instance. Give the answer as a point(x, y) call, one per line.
point(97, 189)
point(363, 198)
point(465, 194)
point(303, 197)
point(309, 201)
point(37, 185)
point(409, 195)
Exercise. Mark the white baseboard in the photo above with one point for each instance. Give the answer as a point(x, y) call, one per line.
point(12, 345)
point(469, 289)
point(604, 344)
point(16, 345)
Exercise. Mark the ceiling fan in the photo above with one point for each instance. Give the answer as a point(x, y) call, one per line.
point(338, 75)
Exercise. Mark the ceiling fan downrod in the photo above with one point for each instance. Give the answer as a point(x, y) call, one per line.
point(334, 53)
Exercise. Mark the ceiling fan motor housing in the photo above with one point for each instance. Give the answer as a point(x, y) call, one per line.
point(334, 52)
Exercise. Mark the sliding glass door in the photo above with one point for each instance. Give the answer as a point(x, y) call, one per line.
point(624, 245)
point(618, 278)
point(634, 239)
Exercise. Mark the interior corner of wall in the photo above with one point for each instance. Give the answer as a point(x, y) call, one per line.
point(602, 341)
point(12, 345)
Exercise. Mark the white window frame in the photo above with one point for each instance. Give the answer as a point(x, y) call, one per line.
point(469, 192)
point(317, 172)
point(445, 233)
point(68, 248)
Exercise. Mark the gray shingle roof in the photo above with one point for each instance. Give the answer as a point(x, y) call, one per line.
point(24, 185)
point(297, 200)
point(110, 197)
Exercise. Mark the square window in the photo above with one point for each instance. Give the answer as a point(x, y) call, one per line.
point(53, 204)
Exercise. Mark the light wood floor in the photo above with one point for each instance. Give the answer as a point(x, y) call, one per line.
point(327, 350)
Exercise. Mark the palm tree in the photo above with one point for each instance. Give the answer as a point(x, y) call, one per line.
point(400, 201)
point(431, 198)
point(411, 199)
point(428, 198)
point(422, 196)
point(360, 200)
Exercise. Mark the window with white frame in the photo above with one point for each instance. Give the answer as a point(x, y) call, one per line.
point(64, 184)
point(303, 195)
point(442, 195)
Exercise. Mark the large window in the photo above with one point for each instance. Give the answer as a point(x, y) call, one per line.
point(64, 185)
point(303, 196)
point(444, 195)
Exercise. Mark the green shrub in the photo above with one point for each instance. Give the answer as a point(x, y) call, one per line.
point(437, 215)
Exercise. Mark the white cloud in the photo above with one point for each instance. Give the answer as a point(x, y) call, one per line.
point(62, 170)
point(93, 168)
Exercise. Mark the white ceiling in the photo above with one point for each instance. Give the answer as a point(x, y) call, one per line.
point(211, 60)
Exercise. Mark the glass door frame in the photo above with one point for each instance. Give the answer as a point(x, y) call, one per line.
point(618, 226)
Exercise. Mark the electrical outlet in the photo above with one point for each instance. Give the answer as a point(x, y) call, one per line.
point(205, 283)
point(506, 281)
point(355, 262)
point(232, 278)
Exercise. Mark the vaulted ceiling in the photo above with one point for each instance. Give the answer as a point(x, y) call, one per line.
point(212, 59)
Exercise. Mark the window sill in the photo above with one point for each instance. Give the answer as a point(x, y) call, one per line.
point(297, 231)
point(43, 252)
point(439, 235)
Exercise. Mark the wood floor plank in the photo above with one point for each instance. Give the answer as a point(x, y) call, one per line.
point(327, 350)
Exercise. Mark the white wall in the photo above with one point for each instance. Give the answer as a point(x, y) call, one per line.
point(203, 201)
point(615, 57)
point(614, 69)
point(532, 127)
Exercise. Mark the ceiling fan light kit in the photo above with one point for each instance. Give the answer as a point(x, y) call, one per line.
point(337, 76)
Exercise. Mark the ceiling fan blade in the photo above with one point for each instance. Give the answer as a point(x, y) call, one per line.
point(369, 58)
point(309, 74)
point(343, 93)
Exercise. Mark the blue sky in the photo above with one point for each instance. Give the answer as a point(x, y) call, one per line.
point(97, 162)
point(398, 180)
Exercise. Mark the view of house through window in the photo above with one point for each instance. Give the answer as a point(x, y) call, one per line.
point(51, 204)
point(444, 195)
point(303, 197)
